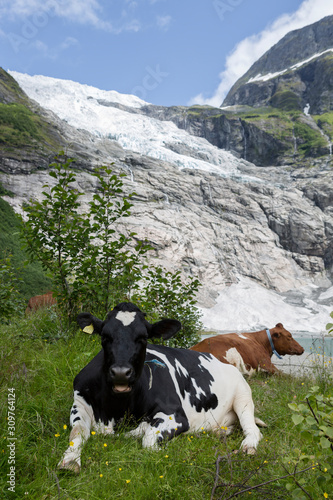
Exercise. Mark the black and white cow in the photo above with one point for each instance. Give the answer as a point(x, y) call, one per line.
point(166, 391)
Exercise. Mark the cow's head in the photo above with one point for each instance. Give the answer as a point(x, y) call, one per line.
point(283, 341)
point(124, 336)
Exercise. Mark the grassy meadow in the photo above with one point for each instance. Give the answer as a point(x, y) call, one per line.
point(39, 358)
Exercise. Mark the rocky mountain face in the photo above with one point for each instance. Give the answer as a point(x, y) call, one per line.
point(262, 212)
point(294, 73)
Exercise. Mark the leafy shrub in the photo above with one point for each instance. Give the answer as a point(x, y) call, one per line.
point(10, 300)
point(313, 420)
point(94, 265)
point(32, 279)
point(329, 326)
point(165, 294)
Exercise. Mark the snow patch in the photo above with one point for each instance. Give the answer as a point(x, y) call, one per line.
point(269, 76)
point(246, 306)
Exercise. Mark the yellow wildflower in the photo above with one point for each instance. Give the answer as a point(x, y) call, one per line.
point(128, 481)
point(57, 435)
point(101, 475)
point(93, 433)
point(105, 445)
point(71, 443)
point(65, 427)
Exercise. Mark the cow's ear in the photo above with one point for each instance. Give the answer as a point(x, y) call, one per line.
point(276, 335)
point(165, 329)
point(89, 324)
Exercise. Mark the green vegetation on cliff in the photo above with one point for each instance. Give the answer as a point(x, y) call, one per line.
point(273, 134)
point(33, 280)
point(18, 126)
point(325, 122)
point(22, 128)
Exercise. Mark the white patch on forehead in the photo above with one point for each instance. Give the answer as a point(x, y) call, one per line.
point(126, 317)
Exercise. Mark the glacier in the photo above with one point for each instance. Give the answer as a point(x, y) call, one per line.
point(85, 107)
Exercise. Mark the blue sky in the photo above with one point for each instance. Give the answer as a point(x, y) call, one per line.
point(167, 52)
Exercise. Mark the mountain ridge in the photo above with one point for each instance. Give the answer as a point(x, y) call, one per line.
point(309, 46)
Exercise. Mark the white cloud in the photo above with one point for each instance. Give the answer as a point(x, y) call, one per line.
point(69, 42)
point(163, 22)
point(43, 50)
point(250, 49)
point(41, 47)
point(78, 11)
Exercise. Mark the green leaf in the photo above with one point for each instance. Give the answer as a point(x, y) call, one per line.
point(298, 495)
point(329, 432)
point(324, 443)
point(311, 421)
point(297, 419)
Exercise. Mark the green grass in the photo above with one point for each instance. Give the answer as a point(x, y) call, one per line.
point(33, 277)
point(39, 358)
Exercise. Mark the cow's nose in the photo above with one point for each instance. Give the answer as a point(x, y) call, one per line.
point(120, 374)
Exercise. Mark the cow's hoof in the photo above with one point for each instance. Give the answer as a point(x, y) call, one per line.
point(71, 466)
point(249, 450)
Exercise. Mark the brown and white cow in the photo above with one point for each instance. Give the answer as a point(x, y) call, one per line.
point(40, 301)
point(251, 352)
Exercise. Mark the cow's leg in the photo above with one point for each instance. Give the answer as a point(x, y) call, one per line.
point(266, 365)
point(81, 419)
point(163, 426)
point(244, 408)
